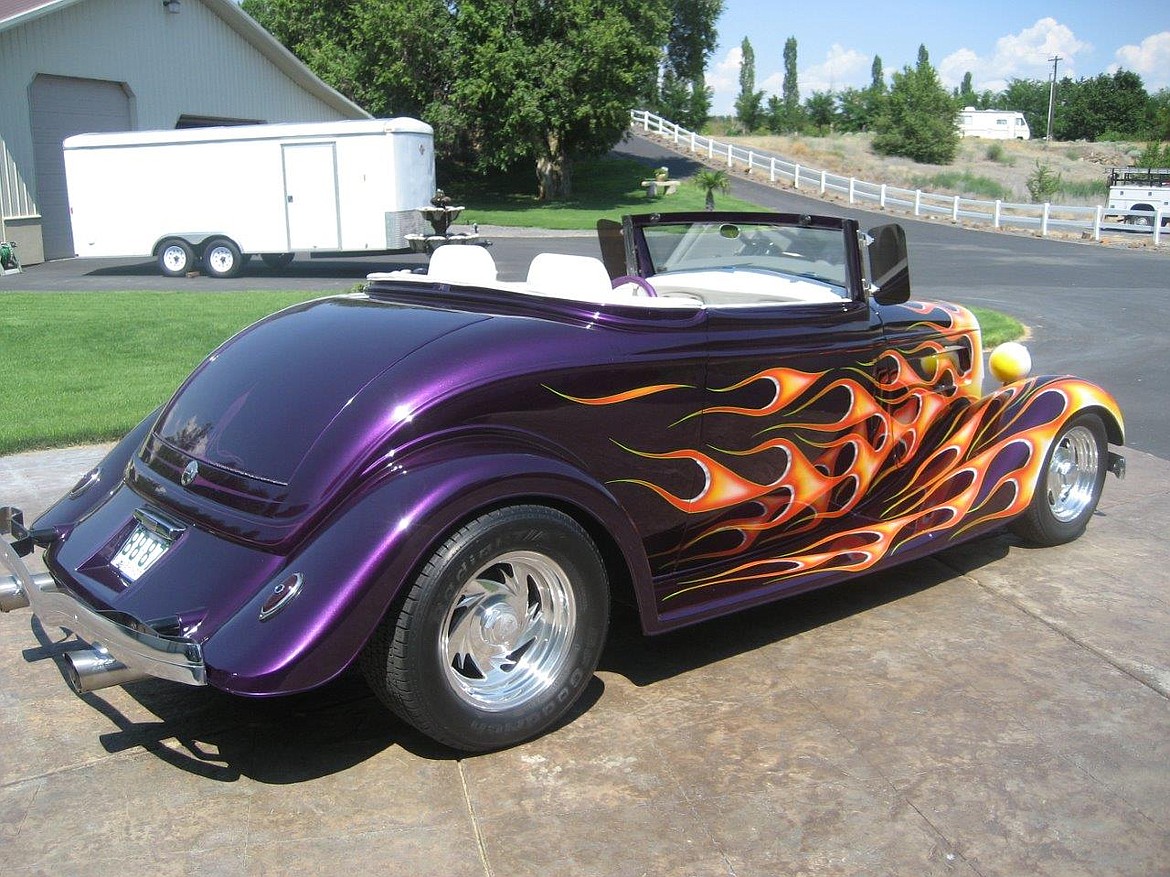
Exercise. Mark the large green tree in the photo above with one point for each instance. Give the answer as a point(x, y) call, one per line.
point(1113, 105)
point(553, 81)
point(506, 79)
point(1027, 96)
point(391, 58)
point(820, 111)
point(917, 118)
point(683, 95)
point(858, 108)
point(692, 37)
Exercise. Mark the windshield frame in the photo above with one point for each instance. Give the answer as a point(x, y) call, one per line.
point(735, 226)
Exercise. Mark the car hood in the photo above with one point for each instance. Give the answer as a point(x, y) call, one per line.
point(258, 405)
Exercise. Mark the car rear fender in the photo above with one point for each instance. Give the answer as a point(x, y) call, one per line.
point(94, 487)
point(360, 560)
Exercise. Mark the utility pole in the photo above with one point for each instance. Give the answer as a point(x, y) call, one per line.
point(1055, 59)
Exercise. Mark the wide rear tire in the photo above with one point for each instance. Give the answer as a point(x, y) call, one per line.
point(500, 632)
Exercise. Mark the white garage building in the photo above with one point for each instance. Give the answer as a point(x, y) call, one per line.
point(77, 66)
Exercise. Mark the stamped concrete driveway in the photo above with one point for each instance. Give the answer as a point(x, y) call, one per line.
point(993, 711)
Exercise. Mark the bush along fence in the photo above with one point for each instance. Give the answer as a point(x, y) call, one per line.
point(1043, 219)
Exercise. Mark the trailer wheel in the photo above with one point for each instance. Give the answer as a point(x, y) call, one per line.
point(175, 257)
point(222, 258)
point(277, 260)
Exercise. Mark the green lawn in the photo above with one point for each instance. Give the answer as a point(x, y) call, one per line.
point(603, 188)
point(86, 367)
point(997, 327)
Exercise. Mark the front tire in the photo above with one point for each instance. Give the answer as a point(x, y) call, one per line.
point(222, 258)
point(500, 632)
point(1069, 485)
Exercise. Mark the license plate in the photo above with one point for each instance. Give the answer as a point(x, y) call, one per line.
point(139, 552)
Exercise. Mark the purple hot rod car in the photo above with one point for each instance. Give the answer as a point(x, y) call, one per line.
point(446, 478)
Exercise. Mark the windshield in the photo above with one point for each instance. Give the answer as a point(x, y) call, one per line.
point(795, 250)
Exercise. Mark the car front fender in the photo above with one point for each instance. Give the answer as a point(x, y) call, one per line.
point(1050, 401)
point(363, 556)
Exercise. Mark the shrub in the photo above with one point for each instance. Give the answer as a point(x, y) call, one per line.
point(1154, 155)
point(1042, 183)
point(917, 120)
point(995, 152)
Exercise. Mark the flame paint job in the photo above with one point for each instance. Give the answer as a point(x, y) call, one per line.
point(915, 452)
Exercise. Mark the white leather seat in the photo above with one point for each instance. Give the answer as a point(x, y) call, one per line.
point(462, 263)
point(578, 277)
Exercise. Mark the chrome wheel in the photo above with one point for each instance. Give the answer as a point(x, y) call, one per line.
point(1073, 474)
point(500, 632)
point(507, 633)
point(1069, 486)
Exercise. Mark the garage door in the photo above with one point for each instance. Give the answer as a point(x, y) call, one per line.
point(60, 107)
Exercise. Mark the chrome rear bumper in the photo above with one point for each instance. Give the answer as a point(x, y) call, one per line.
point(121, 652)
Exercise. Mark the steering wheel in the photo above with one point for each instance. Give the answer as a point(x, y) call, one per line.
point(641, 282)
point(759, 245)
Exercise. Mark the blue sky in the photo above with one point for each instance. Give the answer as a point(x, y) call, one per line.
point(996, 40)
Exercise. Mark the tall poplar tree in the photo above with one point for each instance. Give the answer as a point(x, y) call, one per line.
point(747, 105)
point(790, 88)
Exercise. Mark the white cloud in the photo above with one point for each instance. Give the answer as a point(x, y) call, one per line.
point(1024, 55)
point(723, 77)
point(1150, 60)
point(841, 68)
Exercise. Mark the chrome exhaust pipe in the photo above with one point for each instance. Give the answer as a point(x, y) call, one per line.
point(95, 668)
point(12, 595)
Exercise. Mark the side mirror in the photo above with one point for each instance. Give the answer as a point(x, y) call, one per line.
point(889, 266)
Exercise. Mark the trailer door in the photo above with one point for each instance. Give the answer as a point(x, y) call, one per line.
point(311, 196)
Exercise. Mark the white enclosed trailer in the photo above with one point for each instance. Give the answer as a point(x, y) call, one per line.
point(993, 124)
point(216, 196)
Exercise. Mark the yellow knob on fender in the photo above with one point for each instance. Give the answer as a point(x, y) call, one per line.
point(1010, 362)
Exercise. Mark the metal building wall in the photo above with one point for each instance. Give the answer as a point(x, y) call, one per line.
point(193, 62)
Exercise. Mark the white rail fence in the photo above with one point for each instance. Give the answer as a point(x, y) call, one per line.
point(1044, 218)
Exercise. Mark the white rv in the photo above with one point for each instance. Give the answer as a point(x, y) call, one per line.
point(216, 196)
point(993, 124)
